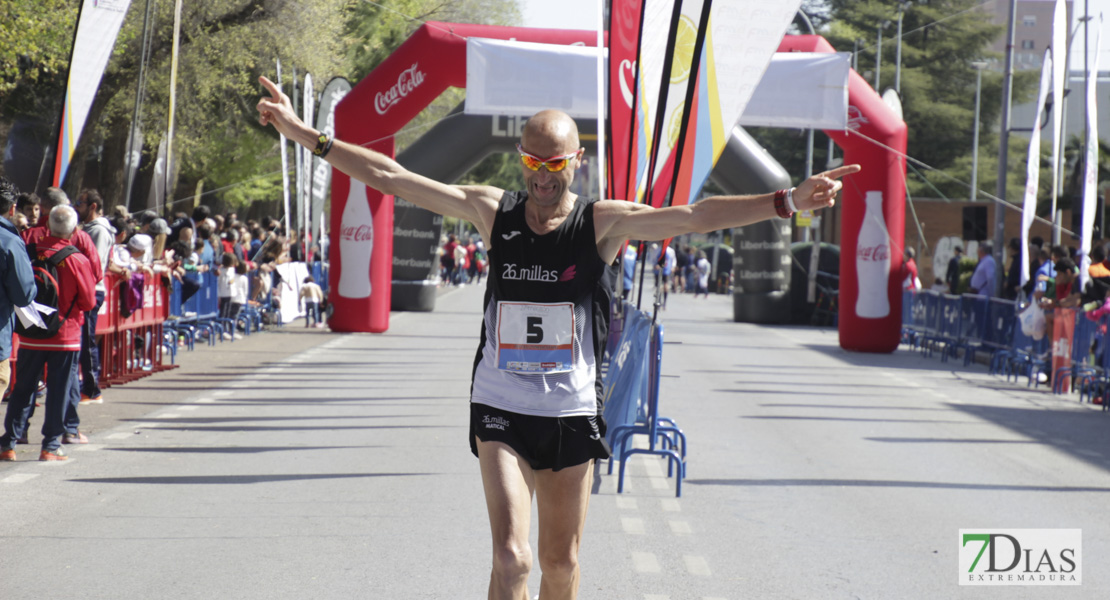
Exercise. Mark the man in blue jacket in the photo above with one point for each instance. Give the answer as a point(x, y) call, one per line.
point(17, 282)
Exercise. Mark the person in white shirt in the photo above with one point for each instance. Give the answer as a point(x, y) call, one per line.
point(703, 268)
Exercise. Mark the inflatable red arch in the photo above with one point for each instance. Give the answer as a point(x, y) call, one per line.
point(434, 58)
point(870, 298)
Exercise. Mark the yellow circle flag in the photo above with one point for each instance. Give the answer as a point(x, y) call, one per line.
point(685, 40)
point(675, 124)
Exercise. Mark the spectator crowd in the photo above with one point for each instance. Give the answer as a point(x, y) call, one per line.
point(60, 258)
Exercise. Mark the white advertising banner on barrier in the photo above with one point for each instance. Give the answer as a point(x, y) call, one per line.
point(799, 90)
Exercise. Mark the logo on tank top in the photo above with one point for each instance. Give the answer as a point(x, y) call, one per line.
point(510, 235)
point(511, 272)
point(569, 273)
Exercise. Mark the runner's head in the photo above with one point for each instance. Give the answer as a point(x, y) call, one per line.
point(549, 154)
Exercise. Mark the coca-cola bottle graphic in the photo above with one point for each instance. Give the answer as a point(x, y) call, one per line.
point(356, 240)
point(873, 261)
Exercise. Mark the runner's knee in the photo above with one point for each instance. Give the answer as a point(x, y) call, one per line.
point(512, 562)
point(560, 564)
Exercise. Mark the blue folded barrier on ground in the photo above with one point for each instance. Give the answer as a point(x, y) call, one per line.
point(625, 383)
point(631, 407)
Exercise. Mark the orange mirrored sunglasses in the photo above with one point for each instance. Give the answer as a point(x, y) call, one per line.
point(553, 164)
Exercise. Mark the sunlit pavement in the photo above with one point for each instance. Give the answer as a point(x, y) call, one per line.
point(318, 465)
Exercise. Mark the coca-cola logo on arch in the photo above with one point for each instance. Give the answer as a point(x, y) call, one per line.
point(407, 81)
point(877, 253)
point(361, 233)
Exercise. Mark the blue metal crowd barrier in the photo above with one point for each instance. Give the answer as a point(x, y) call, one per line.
point(199, 316)
point(972, 323)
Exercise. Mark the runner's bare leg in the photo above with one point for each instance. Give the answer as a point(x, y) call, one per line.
point(509, 483)
point(562, 498)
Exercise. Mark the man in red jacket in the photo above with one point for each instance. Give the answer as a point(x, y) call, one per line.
point(77, 294)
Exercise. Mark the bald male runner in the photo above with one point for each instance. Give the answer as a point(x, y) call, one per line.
point(535, 423)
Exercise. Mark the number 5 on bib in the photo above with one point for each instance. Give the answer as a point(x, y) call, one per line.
point(534, 337)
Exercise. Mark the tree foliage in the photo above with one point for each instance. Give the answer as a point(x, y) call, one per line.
point(35, 40)
point(941, 38)
point(225, 45)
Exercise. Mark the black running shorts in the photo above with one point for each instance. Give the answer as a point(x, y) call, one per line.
point(545, 442)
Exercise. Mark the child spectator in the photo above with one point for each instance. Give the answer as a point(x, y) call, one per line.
point(312, 296)
point(223, 283)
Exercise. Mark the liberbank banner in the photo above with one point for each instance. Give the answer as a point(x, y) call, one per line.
point(335, 91)
point(98, 25)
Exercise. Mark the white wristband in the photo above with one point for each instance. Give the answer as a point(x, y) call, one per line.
point(790, 200)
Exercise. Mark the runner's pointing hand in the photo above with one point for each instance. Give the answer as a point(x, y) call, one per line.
point(820, 190)
point(277, 110)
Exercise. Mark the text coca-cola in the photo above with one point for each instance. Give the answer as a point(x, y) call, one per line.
point(407, 81)
point(362, 233)
point(876, 253)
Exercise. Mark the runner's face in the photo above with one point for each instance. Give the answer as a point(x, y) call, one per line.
point(555, 139)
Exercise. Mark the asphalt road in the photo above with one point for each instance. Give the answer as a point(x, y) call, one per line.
point(302, 464)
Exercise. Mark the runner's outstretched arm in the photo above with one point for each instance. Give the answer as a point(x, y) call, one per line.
point(476, 204)
point(618, 221)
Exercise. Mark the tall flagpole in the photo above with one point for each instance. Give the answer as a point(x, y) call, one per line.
point(284, 164)
point(173, 99)
point(1003, 150)
point(137, 113)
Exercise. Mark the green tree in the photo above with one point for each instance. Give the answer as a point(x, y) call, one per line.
point(940, 41)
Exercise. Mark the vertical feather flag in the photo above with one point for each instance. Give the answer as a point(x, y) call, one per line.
point(1033, 166)
point(699, 101)
point(625, 25)
point(98, 25)
point(1090, 179)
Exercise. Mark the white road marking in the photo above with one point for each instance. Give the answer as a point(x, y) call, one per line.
point(239, 384)
point(170, 416)
point(697, 565)
point(656, 597)
point(205, 400)
point(645, 562)
point(118, 436)
point(671, 505)
point(86, 447)
point(653, 468)
point(19, 477)
point(680, 527)
point(627, 503)
point(222, 393)
point(659, 483)
point(187, 407)
point(633, 525)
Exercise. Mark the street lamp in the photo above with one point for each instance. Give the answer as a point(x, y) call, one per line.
point(879, 53)
point(979, 65)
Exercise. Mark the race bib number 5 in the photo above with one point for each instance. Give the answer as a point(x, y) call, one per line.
point(534, 337)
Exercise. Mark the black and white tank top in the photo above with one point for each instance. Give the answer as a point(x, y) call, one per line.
point(546, 315)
